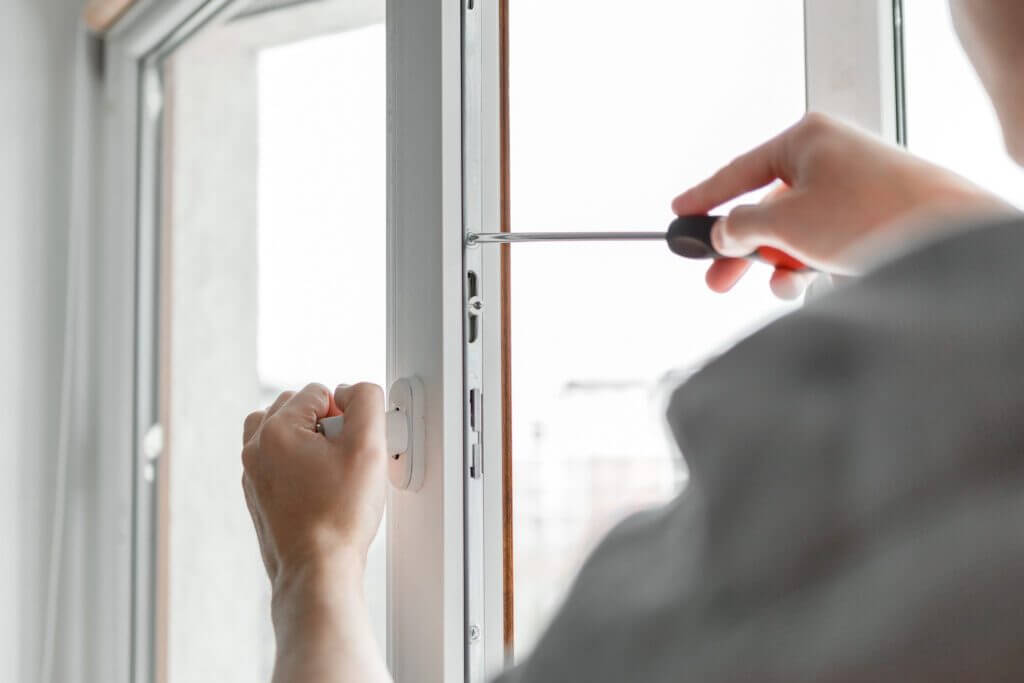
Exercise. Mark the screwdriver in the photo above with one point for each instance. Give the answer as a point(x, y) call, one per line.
point(687, 236)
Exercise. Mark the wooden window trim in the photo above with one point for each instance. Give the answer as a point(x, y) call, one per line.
point(508, 565)
point(101, 15)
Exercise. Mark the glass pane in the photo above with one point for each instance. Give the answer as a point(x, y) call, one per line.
point(274, 253)
point(612, 113)
point(946, 98)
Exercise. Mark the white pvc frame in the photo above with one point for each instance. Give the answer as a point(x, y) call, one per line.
point(444, 552)
point(425, 528)
point(125, 300)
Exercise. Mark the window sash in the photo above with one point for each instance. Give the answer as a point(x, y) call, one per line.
point(426, 620)
point(126, 249)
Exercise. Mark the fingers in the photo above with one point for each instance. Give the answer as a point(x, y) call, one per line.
point(251, 424)
point(748, 172)
point(254, 420)
point(307, 406)
point(748, 227)
point(354, 400)
point(282, 398)
point(723, 274)
point(788, 284)
point(363, 407)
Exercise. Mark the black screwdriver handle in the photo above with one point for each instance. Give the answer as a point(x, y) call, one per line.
point(690, 237)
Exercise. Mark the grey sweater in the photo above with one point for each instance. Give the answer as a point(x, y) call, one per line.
point(856, 504)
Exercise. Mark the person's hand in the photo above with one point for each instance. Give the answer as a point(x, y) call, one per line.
point(841, 188)
point(315, 502)
point(316, 505)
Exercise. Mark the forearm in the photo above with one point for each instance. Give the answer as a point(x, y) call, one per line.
point(323, 628)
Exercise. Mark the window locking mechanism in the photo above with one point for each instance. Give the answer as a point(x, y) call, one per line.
point(476, 460)
point(474, 307)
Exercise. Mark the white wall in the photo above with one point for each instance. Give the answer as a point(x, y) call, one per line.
point(37, 39)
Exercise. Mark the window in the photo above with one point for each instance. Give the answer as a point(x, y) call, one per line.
point(255, 139)
point(600, 333)
point(945, 97)
point(272, 229)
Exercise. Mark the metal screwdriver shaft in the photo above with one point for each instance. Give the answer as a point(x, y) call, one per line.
point(518, 237)
point(687, 236)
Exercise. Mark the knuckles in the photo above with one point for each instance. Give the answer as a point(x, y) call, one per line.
point(368, 392)
point(815, 126)
point(252, 421)
point(250, 456)
point(274, 434)
point(819, 141)
point(320, 390)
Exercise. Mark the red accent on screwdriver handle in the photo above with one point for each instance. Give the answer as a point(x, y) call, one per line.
point(690, 237)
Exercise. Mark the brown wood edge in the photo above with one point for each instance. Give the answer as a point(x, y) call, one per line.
point(508, 555)
point(101, 15)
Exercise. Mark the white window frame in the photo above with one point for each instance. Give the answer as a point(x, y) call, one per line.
point(124, 293)
point(444, 541)
point(853, 59)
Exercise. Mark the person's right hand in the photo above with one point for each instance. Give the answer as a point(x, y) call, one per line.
point(841, 188)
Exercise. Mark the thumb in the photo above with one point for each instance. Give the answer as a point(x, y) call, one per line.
point(363, 407)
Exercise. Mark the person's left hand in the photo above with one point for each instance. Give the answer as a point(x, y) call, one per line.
point(314, 502)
